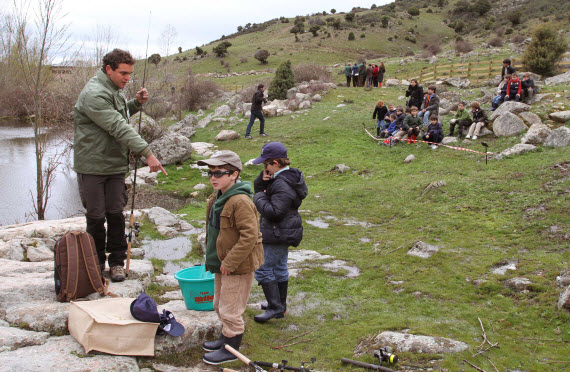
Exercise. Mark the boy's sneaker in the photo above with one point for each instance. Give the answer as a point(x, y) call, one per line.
point(474, 137)
point(467, 137)
point(117, 274)
point(248, 137)
point(434, 147)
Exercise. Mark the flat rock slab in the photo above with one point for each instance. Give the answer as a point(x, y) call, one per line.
point(518, 149)
point(405, 342)
point(42, 229)
point(423, 250)
point(63, 353)
point(200, 326)
point(166, 368)
point(560, 137)
point(518, 284)
point(14, 338)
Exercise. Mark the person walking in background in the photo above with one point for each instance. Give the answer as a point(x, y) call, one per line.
point(256, 103)
point(348, 74)
point(102, 140)
point(279, 192)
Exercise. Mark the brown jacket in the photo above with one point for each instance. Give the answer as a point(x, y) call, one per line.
point(239, 243)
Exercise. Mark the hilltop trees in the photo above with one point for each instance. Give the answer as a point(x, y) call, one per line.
point(544, 50)
point(283, 81)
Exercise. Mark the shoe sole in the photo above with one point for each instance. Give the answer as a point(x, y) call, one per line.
point(215, 364)
point(210, 350)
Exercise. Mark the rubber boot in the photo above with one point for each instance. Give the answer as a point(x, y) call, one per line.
point(214, 345)
point(274, 308)
point(222, 355)
point(283, 286)
point(377, 131)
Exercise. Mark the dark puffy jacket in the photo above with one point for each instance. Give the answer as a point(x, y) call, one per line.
point(280, 221)
point(257, 100)
point(480, 116)
point(416, 95)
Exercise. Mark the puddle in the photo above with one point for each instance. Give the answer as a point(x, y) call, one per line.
point(169, 249)
point(319, 224)
point(171, 268)
point(336, 265)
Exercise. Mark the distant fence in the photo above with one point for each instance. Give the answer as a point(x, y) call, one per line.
point(234, 87)
point(471, 70)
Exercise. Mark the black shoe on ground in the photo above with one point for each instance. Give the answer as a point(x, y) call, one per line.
point(222, 355)
point(214, 345)
point(274, 307)
point(247, 136)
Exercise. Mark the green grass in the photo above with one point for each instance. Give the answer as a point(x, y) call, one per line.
point(485, 216)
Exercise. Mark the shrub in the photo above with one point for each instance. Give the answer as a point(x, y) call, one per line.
point(433, 49)
point(413, 11)
point(243, 59)
point(496, 42)
point(283, 81)
point(222, 48)
point(429, 10)
point(154, 59)
point(294, 30)
point(508, 31)
point(390, 38)
point(462, 46)
point(482, 6)
point(315, 30)
point(198, 94)
point(517, 39)
point(351, 36)
point(544, 50)
point(261, 55)
point(199, 51)
point(410, 38)
point(500, 31)
point(349, 17)
point(308, 72)
point(488, 25)
point(514, 17)
point(385, 21)
point(459, 26)
point(333, 10)
point(222, 61)
point(362, 36)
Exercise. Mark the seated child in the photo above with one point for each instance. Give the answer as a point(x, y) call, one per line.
point(434, 131)
point(461, 119)
point(379, 115)
point(528, 87)
point(392, 129)
point(430, 105)
point(502, 92)
point(514, 88)
point(391, 110)
point(479, 120)
point(413, 122)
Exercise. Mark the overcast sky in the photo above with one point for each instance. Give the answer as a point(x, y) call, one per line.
point(196, 22)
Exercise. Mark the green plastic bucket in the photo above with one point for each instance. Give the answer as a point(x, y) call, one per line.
point(197, 288)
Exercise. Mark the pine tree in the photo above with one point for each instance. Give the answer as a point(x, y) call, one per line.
point(283, 81)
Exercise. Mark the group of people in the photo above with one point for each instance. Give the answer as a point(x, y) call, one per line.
point(512, 88)
point(240, 245)
point(363, 75)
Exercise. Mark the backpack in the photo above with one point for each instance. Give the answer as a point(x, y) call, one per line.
point(76, 271)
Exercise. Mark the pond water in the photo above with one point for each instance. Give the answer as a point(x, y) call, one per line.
point(18, 179)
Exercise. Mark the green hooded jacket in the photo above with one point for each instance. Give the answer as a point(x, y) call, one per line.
point(462, 115)
point(103, 136)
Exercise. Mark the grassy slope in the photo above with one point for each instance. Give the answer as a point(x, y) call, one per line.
point(486, 215)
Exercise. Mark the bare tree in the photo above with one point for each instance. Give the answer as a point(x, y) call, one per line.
point(104, 40)
point(40, 37)
point(168, 38)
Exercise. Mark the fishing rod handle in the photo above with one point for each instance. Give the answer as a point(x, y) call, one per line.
point(227, 370)
point(277, 366)
point(244, 359)
point(366, 365)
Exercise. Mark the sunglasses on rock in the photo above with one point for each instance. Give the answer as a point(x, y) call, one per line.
point(218, 174)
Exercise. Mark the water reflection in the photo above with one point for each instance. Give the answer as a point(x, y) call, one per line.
point(18, 179)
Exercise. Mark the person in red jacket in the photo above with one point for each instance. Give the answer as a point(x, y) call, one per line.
point(375, 76)
point(514, 88)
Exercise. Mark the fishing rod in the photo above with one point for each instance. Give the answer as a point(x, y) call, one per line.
point(132, 225)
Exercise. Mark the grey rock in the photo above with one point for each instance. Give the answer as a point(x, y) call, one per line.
point(293, 105)
point(127, 289)
point(227, 135)
point(137, 253)
point(187, 123)
point(202, 148)
point(200, 326)
point(560, 116)
point(280, 103)
point(563, 280)
point(168, 368)
point(172, 148)
point(423, 250)
point(165, 280)
point(233, 101)
point(223, 110)
point(341, 168)
point(317, 98)
point(410, 158)
point(508, 125)
point(37, 250)
point(12, 250)
point(14, 338)
point(536, 134)
point(161, 217)
point(292, 93)
point(270, 110)
point(405, 342)
point(305, 105)
point(458, 82)
point(302, 97)
point(391, 82)
point(502, 268)
point(509, 106)
point(517, 149)
point(202, 241)
point(530, 117)
point(448, 140)
point(204, 121)
point(518, 284)
point(558, 79)
point(172, 295)
point(149, 128)
point(144, 177)
point(59, 352)
point(563, 300)
point(166, 231)
point(45, 229)
point(485, 132)
point(560, 137)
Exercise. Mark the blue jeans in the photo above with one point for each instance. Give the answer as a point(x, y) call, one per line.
point(425, 116)
point(256, 114)
point(275, 266)
point(380, 124)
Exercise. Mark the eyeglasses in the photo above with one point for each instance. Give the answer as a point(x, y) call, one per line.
point(218, 174)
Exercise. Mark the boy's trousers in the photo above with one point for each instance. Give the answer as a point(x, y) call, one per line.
point(230, 299)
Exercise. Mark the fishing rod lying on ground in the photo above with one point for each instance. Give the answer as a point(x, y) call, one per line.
point(382, 354)
point(244, 359)
point(132, 225)
point(284, 366)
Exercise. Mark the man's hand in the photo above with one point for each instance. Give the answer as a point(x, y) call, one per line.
point(224, 270)
point(155, 165)
point(266, 175)
point(142, 96)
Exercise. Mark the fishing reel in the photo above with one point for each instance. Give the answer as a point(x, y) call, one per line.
point(384, 355)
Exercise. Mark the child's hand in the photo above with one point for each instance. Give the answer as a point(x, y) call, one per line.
point(266, 175)
point(224, 270)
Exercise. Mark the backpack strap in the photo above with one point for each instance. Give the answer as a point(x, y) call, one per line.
point(70, 290)
point(91, 263)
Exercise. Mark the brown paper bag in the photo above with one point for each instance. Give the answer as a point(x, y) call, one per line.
point(107, 325)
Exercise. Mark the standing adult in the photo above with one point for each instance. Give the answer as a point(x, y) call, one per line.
point(369, 76)
point(381, 72)
point(102, 140)
point(256, 102)
point(416, 93)
point(361, 74)
point(348, 73)
point(375, 77)
point(507, 68)
point(355, 75)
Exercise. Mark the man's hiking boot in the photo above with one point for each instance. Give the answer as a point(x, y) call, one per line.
point(222, 355)
point(117, 274)
point(262, 134)
point(214, 345)
point(274, 307)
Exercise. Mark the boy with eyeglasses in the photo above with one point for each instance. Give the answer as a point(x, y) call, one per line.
point(233, 250)
point(279, 192)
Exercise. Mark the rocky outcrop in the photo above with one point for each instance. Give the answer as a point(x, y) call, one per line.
point(458, 82)
point(508, 125)
point(223, 110)
point(149, 128)
point(423, 250)
point(517, 149)
point(172, 148)
point(558, 79)
point(537, 134)
point(509, 106)
point(560, 116)
point(564, 299)
point(560, 137)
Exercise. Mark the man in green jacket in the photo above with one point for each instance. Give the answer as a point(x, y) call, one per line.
point(102, 140)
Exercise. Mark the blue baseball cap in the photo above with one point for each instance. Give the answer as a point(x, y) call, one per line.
point(144, 309)
point(271, 150)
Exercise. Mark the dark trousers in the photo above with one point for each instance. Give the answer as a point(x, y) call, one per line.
point(460, 125)
point(413, 132)
point(355, 81)
point(375, 81)
point(104, 197)
point(513, 96)
point(432, 137)
point(256, 114)
point(348, 81)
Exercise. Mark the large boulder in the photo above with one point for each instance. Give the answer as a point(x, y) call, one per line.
point(292, 93)
point(509, 106)
point(559, 137)
point(564, 299)
point(227, 135)
point(537, 134)
point(559, 79)
point(458, 82)
point(149, 128)
point(12, 250)
point(517, 149)
point(172, 148)
point(530, 117)
point(270, 110)
point(223, 110)
point(302, 97)
point(280, 103)
point(560, 116)
point(508, 125)
point(391, 82)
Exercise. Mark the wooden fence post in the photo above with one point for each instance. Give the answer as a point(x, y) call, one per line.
point(451, 70)
point(435, 71)
point(490, 68)
point(468, 70)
